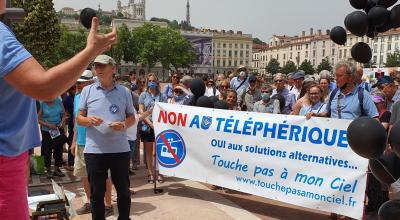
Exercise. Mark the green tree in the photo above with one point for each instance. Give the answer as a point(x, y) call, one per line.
point(273, 66)
point(123, 48)
point(176, 51)
point(40, 30)
point(289, 67)
point(307, 67)
point(393, 60)
point(70, 43)
point(324, 65)
point(154, 44)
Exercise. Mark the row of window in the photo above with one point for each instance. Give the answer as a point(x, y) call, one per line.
point(389, 47)
point(230, 63)
point(231, 53)
point(230, 45)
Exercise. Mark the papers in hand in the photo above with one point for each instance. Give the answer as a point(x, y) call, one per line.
point(104, 128)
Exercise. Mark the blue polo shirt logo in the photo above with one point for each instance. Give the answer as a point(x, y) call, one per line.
point(114, 108)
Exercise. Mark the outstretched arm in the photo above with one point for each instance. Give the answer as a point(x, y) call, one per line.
point(33, 80)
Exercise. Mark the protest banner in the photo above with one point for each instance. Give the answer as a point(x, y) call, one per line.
point(281, 157)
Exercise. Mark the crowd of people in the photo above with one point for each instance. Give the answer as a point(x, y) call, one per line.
point(117, 111)
point(107, 118)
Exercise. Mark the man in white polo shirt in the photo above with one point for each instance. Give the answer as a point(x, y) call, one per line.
point(106, 110)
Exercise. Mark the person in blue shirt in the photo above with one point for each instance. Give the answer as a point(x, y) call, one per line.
point(52, 117)
point(146, 102)
point(168, 90)
point(240, 82)
point(23, 79)
point(78, 146)
point(280, 89)
point(345, 104)
point(106, 110)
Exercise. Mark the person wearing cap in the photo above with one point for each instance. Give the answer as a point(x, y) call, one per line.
point(106, 110)
point(78, 145)
point(376, 192)
point(240, 82)
point(298, 78)
point(379, 100)
point(249, 96)
point(386, 85)
point(344, 102)
point(358, 79)
point(211, 89)
point(23, 79)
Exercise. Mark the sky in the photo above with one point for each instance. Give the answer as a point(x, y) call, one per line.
point(261, 18)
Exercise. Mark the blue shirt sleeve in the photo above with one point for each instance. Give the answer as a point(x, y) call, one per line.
point(369, 106)
point(12, 52)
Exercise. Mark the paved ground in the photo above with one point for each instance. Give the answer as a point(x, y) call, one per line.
point(184, 199)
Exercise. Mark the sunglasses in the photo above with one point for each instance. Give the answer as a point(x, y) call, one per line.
point(178, 91)
point(151, 80)
point(278, 81)
point(224, 87)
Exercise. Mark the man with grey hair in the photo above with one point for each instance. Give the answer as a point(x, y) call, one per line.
point(281, 90)
point(348, 101)
point(358, 79)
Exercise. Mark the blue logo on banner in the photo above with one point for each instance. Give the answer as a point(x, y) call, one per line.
point(206, 122)
point(171, 149)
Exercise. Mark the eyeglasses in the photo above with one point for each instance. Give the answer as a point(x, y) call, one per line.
point(151, 80)
point(223, 87)
point(278, 81)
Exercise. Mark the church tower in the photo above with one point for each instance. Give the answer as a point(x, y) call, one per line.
point(188, 13)
point(141, 10)
point(119, 6)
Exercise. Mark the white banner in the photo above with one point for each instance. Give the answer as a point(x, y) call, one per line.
point(286, 158)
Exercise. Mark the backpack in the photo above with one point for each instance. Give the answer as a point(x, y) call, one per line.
point(360, 92)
